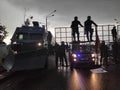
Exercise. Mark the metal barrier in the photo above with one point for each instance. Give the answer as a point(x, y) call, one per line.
point(104, 33)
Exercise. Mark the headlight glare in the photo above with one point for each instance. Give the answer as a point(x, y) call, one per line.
point(39, 44)
point(74, 55)
point(93, 55)
point(75, 60)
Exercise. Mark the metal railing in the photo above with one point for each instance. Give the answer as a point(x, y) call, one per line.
point(104, 33)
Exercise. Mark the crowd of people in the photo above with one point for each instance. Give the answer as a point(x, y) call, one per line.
point(60, 54)
point(106, 53)
point(88, 30)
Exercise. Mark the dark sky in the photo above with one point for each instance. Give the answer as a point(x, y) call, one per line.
point(102, 11)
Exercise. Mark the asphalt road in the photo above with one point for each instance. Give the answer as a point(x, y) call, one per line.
point(64, 79)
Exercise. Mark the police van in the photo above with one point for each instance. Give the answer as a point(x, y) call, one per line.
point(82, 54)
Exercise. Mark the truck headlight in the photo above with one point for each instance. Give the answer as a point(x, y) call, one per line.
point(74, 55)
point(74, 60)
point(93, 55)
point(39, 44)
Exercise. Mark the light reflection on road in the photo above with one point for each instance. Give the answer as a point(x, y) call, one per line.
point(94, 81)
point(76, 81)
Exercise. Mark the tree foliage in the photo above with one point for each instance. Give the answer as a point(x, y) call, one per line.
point(3, 32)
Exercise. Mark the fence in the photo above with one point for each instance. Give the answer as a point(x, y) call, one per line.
point(104, 32)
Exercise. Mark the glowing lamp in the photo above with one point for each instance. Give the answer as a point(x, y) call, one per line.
point(74, 55)
point(75, 60)
point(39, 44)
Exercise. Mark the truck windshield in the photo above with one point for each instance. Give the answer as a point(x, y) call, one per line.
point(36, 36)
point(83, 48)
point(22, 36)
point(25, 36)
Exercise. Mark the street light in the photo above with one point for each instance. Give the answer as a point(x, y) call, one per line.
point(49, 15)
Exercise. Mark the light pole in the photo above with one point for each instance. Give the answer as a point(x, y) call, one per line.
point(49, 15)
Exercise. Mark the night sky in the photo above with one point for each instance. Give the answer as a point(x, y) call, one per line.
point(101, 11)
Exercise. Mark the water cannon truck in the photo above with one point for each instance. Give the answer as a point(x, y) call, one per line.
point(28, 49)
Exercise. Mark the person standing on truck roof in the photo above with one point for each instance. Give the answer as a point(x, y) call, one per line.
point(114, 33)
point(75, 28)
point(88, 28)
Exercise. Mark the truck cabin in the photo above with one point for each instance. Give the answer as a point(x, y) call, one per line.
point(82, 47)
point(29, 38)
point(85, 50)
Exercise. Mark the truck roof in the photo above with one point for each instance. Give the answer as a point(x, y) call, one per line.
point(30, 29)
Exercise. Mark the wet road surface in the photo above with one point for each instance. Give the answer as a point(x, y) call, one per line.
point(63, 79)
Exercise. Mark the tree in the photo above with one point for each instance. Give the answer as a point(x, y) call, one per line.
point(3, 32)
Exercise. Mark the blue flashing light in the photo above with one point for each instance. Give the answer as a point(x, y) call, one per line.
point(79, 55)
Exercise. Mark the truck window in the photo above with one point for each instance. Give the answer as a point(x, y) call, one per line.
point(22, 36)
point(83, 48)
point(36, 36)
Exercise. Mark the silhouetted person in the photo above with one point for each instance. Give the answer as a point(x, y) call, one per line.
point(50, 46)
point(57, 54)
point(88, 28)
point(67, 46)
point(115, 50)
point(49, 37)
point(63, 54)
point(104, 53)
point(75, 28)
point(114, 33)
